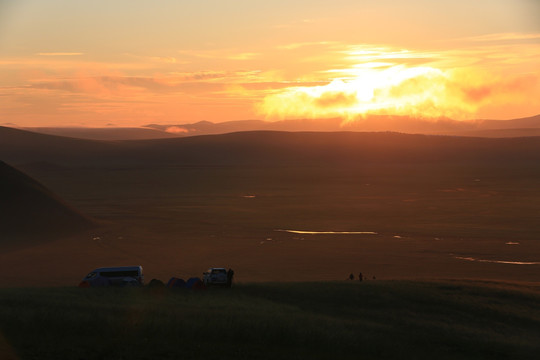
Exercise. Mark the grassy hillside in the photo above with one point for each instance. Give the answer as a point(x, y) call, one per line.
point(29, 211)
point(339, 320)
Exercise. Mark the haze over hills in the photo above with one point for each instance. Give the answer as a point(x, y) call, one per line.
point(105, 133)
point(529, 126)
point(29, 211)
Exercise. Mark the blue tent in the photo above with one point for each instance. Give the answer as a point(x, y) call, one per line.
point(176, 283)
point(195, 283)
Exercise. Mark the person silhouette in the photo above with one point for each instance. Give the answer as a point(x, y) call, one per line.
point(230, 274)
point(351, 276)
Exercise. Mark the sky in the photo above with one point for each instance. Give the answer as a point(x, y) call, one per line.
point(136, 62)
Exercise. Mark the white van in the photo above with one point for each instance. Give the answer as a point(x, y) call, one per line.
point(114, 276)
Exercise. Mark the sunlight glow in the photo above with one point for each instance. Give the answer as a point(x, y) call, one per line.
point(397, 90)
point(386, 81)
point(381, 80)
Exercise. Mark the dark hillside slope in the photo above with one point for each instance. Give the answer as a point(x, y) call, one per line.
point(29, 211)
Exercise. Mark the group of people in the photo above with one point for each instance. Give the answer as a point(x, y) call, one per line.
point(360, 277)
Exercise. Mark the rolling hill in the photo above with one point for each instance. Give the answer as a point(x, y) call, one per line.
point(29, 211)
point(264, 148)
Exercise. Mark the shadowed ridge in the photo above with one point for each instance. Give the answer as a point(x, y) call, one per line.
point(22, 146)
point(264, 148)
point(29, 211)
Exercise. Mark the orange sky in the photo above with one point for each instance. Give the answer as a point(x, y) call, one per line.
point(130, 63)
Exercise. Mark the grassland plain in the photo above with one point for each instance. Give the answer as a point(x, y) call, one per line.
point(177, 221)
point(320, 320)
point(442, 207)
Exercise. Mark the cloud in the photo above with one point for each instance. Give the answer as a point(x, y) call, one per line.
point(294, 46)
point(335, 99)
point(116, 85)
point(109, 85)
point(157, 59)
point(419, 91)
point(199, 75)
point(165, 59)
point(228, 54)
point(453, 83)
point(243, 56)
point(505, 37)
point(505, 90)
point(361, 55)
point(60, 54)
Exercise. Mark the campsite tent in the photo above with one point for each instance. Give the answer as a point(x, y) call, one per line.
point(195, 283)
point(176, 283)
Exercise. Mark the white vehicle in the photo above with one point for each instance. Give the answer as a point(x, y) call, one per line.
point(215, 276)
point(114, 276)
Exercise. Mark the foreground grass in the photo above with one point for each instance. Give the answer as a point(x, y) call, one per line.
point(370, 320)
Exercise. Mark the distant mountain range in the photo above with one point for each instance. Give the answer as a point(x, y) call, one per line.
point(529, 126)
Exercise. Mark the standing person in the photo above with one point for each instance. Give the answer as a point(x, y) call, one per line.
point(360, 277)
point(351, 277)
point(230, 274)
